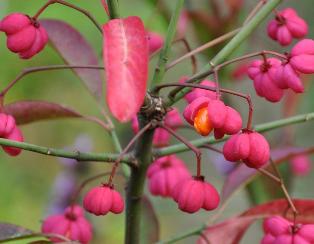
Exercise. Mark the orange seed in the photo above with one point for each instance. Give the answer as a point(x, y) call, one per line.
point(202, 123)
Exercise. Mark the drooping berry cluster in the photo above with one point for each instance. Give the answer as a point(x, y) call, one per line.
point(205, 112)
point(169, 177)
point(9, 130)
point(281, 231)
point(71, 224)
point(286, 26)
point(25, 35)
point(272, 76)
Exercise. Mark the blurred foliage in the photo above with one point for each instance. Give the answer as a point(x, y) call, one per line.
point(25, 181)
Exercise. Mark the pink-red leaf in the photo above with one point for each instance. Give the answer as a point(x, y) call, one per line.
point(26, 112)
point(105, 5)
point(75, 50)
point(281, 207)
point(126, 64)
point(230, 231)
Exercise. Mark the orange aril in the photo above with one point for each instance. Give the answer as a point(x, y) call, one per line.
point(202, 123)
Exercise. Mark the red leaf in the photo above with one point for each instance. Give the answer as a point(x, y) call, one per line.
point(230, 231)
point(126, 64)
point(29, 111)
point(75, 50)
point(281, 207)
point(103, 2)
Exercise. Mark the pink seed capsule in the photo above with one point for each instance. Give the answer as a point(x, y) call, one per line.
point(300, 165)
point(286, 26)
point(173, 119)
point(223, 119)
point(102, 200)
point(198, 92)
point(276, 225)
point(9, 130)
point(14, 23)
point(307, 232)
point(71, 224)
point(279, 230)
point(25, 36)
point(164, 173)
point(194, 194)
point(263, 76)
point(155, 41)
point(161, 137)
point(15, 135)
point(249, 147)
point(302, 56)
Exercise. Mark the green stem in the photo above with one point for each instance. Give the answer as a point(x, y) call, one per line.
point(211, 140)
point(143, 154)
point(79, 156)
point(164, 53)
point(108, 157)
point(113, 7)
point(115, 141)
point(234, 43)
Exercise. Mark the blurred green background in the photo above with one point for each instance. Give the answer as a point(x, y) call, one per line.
point(26, 181)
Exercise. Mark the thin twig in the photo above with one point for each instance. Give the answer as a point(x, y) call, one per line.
point(126, 149)
point(76, 194)
point(83, 11)
point(284, 189)
point(197, 152)
point(98, 121)
point(188, 48)
point(269, 175)
point(45, 68)
point(203, 47)
point(254, 11)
